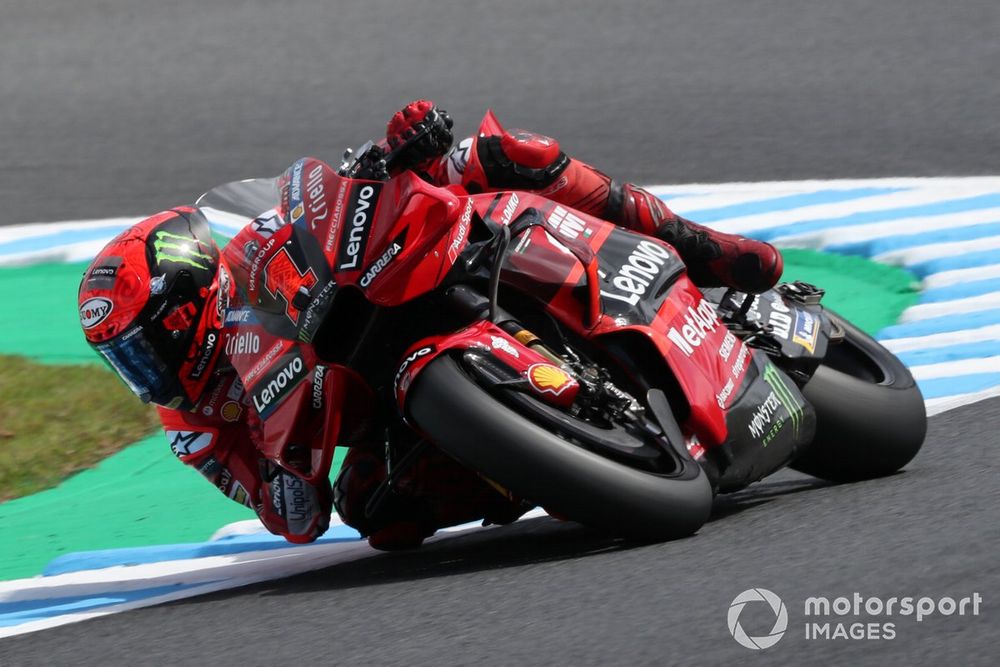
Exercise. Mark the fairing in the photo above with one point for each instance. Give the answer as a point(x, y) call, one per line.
point(313, 233)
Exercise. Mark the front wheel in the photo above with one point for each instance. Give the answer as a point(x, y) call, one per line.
point(870, 415)
point(468, 423)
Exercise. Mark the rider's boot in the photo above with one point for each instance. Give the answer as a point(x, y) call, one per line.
point(713, 258)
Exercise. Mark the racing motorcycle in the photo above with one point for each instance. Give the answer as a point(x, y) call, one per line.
point(569, 362)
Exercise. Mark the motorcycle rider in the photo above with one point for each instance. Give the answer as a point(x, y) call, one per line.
point(153, 305)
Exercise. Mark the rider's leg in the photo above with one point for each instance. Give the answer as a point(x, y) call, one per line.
point(526, 161)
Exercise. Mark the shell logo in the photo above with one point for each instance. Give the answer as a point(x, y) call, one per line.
point(231, 411)
point(549, 379)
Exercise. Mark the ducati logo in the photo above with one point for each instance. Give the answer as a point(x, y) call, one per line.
point(549, 379)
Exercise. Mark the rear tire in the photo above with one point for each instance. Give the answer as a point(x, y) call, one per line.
point(475, 428)
point(870, 415)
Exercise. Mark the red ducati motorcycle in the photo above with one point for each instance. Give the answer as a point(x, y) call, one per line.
point(569, 362)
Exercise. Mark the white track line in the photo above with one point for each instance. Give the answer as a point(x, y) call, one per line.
point(902, 226)
point(943, 182)
point(897, 345)
point(923, 253)
point(956, 276)
point(908, 198)
point(947, 369)
point(923, 311)
point(936, 406)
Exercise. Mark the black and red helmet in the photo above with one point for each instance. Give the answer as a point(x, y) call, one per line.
point(150, 305)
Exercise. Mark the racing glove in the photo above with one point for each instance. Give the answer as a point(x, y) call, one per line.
point(292, 507)
point(418, 134)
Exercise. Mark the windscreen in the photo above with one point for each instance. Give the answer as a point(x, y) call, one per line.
point(231, 206)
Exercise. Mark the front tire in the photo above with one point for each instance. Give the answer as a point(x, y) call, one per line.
point(870, 415)
point(476, 429)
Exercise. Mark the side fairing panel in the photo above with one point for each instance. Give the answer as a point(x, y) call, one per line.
point(642, 288)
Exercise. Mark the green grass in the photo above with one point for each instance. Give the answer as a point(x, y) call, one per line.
point(57, 420)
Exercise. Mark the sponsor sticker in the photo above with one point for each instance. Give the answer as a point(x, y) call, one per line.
point(95, 310)
point(104, 276)
point(390, 254)
point(641, 268)
point(463, 232)
point(250, 249)
point(565, 223)
point(265, 361)
point(763, 424)
point(338, 212)
point(722, 398)
point(402, 379)
point(317, 196)
point(240, 316)
point(275, 386)
point(210, 468)
point(780, 318)
point(255, 265)
point(458, 158)
point(699, 321)
point(238, 493)
point(235, 392)
point(243, 342)
point(223, 295)
point(501, 343)
point(549, 379)
point(510, 208)
point(319, 375)
point(179, 249)
point(312, 318)
point(205, 355)
point(354, 238)
point(296, 503)
point(266, 225)
point(806, 330)
point(187, 443)
point(231, 411)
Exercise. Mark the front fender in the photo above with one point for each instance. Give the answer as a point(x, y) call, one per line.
point(546, 380)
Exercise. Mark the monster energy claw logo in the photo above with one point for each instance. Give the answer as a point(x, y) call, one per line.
point(773, 378)
point(180, 250)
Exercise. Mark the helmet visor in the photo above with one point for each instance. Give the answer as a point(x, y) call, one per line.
point(145, 372)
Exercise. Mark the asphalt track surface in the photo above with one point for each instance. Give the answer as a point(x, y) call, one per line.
point(108, 108)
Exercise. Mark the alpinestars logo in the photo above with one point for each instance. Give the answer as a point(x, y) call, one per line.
point(186, 443)
point(777, 607)
point(177, 249)
point(267, 224)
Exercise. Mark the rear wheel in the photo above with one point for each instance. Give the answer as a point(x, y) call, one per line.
point(562, 474)
point(870, 415)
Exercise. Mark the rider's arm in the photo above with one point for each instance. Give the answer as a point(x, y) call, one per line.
point(224, 453)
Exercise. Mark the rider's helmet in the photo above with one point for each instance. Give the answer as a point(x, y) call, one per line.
point(151, 304)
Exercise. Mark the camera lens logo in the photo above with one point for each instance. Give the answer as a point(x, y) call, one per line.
point(777, 608)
